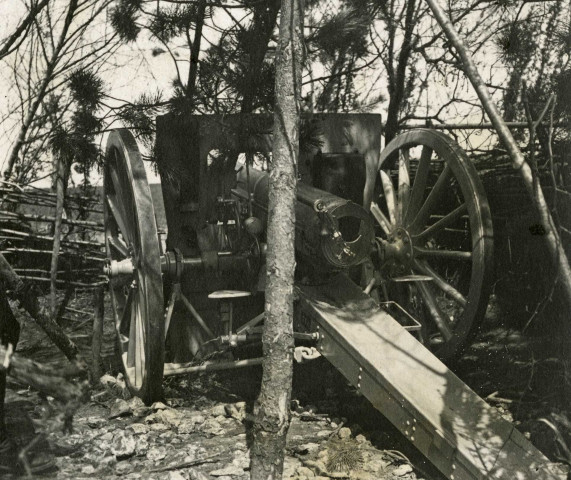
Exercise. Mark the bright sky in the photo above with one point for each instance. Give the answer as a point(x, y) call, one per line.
point(141, 72)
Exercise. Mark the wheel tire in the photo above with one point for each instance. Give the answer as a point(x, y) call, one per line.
point(441, 213)
point(137, 297)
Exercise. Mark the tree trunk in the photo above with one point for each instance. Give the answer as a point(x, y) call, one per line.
point(272, 410)
point(397, 87)
point(552, 238)
point(195, 52)
point(97, 340)
point(60, 184)
point(265, 15)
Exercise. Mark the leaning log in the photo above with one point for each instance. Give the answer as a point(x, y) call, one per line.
point(9, 280)
point(55, 382)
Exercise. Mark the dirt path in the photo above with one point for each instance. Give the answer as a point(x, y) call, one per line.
point(201, 431)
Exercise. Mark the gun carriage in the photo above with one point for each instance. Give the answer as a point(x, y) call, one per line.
point(394, 258)
point(425, 244)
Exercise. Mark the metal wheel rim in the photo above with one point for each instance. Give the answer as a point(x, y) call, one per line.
point(479, 220)
point(137, 299)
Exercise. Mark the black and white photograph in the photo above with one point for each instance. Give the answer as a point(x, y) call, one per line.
point(285, 239)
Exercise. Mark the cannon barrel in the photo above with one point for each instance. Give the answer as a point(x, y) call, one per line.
point(332, 233)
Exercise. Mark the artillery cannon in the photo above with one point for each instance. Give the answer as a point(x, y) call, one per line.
point(394, 254)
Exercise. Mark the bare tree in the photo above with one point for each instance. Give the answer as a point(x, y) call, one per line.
point(552, 237)
point(61, 37)
point(272, 411)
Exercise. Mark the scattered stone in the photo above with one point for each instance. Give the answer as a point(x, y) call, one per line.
point(198, 418)
point(175, 402)
point(159, 427)
point(142, 446)
point(308, 448)
point(236, 410)
point(120, 409)
point(88, 470)
point(136, 402)
point(360, 475)
point(211, 426)
point(175, 476)
point(241, 459)
point(230, 470)
point(156, 453)
point(305, 472)
point(323, 433)
point(218, 410)
point(290, 466)
point(123, 467)
point(402, 470)
point(116, 385)
point(186, 426)
point(139, 428)
point(360, 439)
point(158, 406)
point(133, 476)
point(95, 422)
point(197, 475)
point(123, 445)
point(344, 433)
point(108, 460)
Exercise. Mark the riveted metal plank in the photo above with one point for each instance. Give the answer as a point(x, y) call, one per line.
point(454, 428)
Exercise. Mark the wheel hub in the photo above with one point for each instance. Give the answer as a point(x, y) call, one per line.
point(398, 252)
point(399, 246)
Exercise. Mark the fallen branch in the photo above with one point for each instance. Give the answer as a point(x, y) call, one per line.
point(192, 463)
point(50, 381)
point(9, 280)
point(4, 215)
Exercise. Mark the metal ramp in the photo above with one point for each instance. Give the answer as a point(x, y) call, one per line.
point(449, 423)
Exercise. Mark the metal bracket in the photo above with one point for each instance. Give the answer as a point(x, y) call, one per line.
point(304, 354)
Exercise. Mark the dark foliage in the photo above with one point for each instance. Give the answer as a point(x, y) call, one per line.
point(86, 88)
point(348, 29)
point(140, 115)
point(169, 23)
point(124, 19)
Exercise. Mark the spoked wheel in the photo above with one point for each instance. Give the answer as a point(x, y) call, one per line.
point(135, 283)
point(435, 226)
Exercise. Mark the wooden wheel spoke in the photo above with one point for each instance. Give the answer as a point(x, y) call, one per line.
point(119, 246)
point(139, 344)
point(444, 222)
point(419, 186)
point(122, 192)
point(432, 200)
point(124, 323)
point(117, 187)
point(390, 196)
point(403, 184)
point(442, 207)
point(442, 323)
point(379, 216)
point(132, 334)
point(440, 282)
point(443, 254)
point(118, 215)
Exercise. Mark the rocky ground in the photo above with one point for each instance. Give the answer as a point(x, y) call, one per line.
point(201, 430)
